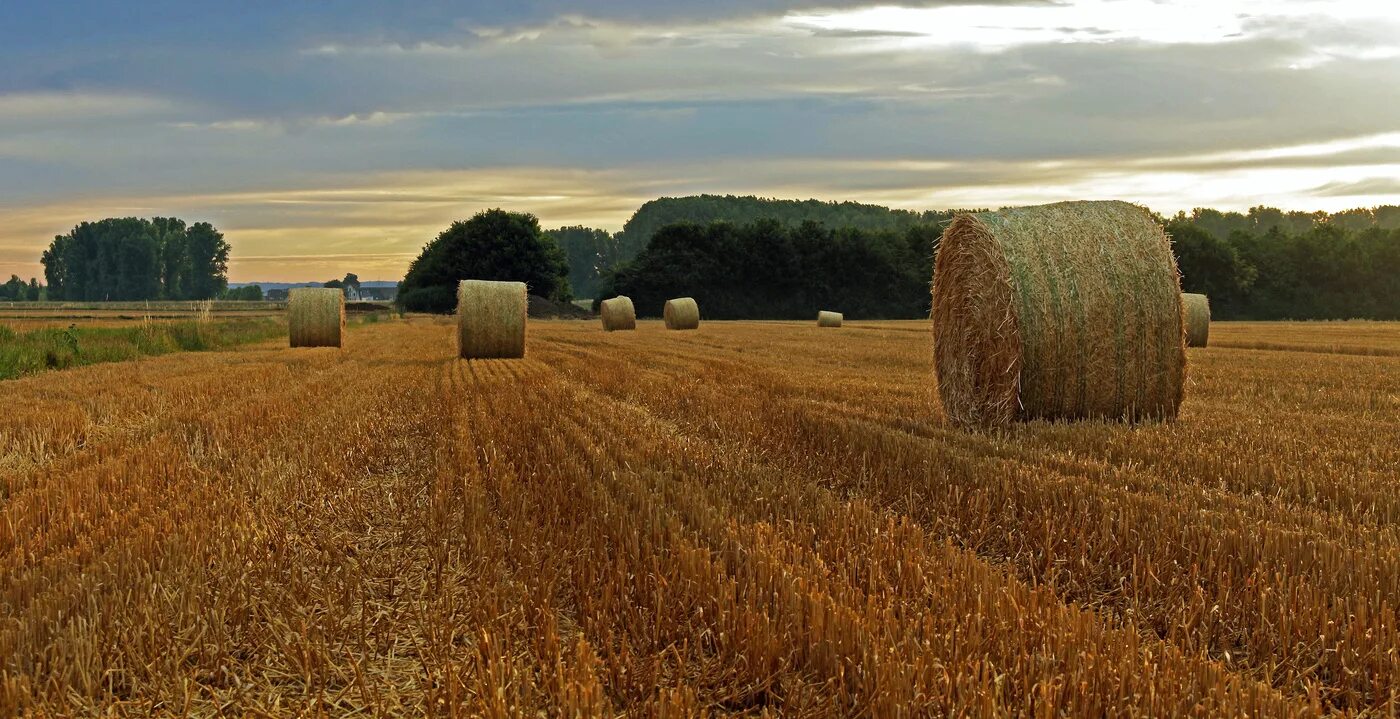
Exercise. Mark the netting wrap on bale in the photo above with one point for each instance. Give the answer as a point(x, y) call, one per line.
point(1063, 311)
point(491, 319)
point(1197, 308)
point(829, 319)
point(618, 313)
point(315, 316)
point(681, 313)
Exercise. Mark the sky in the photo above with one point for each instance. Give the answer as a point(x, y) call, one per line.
point(333, 136)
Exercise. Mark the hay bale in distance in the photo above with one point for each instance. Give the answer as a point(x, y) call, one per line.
point(1197, 309)
point(1063, 311)
point(618, 313)
point(491, 319)
point(829, 319)
point(681, 313)
point(315, 316)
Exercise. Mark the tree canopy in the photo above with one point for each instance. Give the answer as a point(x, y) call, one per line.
point(766, 269)
point(17, 290)
point(132, 258)
point(1268, 265)
point(591, 254)
point(493, 245)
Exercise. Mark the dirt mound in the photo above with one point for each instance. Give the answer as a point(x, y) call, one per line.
point(544, 308)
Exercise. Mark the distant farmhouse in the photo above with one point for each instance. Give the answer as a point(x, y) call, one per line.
point(379, 294)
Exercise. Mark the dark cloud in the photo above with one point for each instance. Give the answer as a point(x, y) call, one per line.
point(839, 33)
point(276, 94)
point(1370, 187)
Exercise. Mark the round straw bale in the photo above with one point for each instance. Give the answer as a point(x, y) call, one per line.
point(829, 319)
point(1063, 311)
point(491, 319)
point(618, 314)
point(1197, 319)
point(316, 316)
point(681, 313)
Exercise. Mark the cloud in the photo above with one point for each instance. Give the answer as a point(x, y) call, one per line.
point(1382, 187)
point(363, 128)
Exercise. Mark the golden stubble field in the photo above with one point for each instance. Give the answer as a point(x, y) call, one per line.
point(750, 519)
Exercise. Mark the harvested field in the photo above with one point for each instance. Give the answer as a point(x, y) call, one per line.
point(676, 523)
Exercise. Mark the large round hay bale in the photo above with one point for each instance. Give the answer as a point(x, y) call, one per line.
point(618, 313)
point(681, 313)
point(828, 319)
point(491, 319)
point(1197, 309)
point(315, 316)
point(1063, 311)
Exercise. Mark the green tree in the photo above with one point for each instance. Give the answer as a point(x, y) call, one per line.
point(1210, 266)
point(492, 245)
point(591, 254)
point(15, 290)
point(175, 269)
point(208, 261)
point(247, 293)
point(136, 259)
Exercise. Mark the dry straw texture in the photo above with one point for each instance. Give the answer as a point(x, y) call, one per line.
point(491, 319)
point(681, 313)
point(618, 314)
point(316, 316)
point(1197, 308)
point(1063, 311)
point(828, 319)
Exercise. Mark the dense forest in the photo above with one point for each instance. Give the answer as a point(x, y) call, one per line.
point(1269, 265)
point(593, 253)
point(768, 269)
point(1263, 264)
point(133, 258)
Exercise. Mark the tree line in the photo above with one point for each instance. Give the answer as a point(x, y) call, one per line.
point(768, 260)
point(592, 254)
point(17, 290)
point(769, 270)
point(749, 257)
point(133, 258)
point(1270, 265)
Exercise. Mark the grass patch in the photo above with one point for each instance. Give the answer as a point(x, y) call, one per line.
point(25, 353)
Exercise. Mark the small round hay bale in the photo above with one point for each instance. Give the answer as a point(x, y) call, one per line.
point(618, 313)
point(315, 316)
point(1197, 308)
point(1063, 311)
point(491, 319)
point(829, 319)
point(681, 313)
